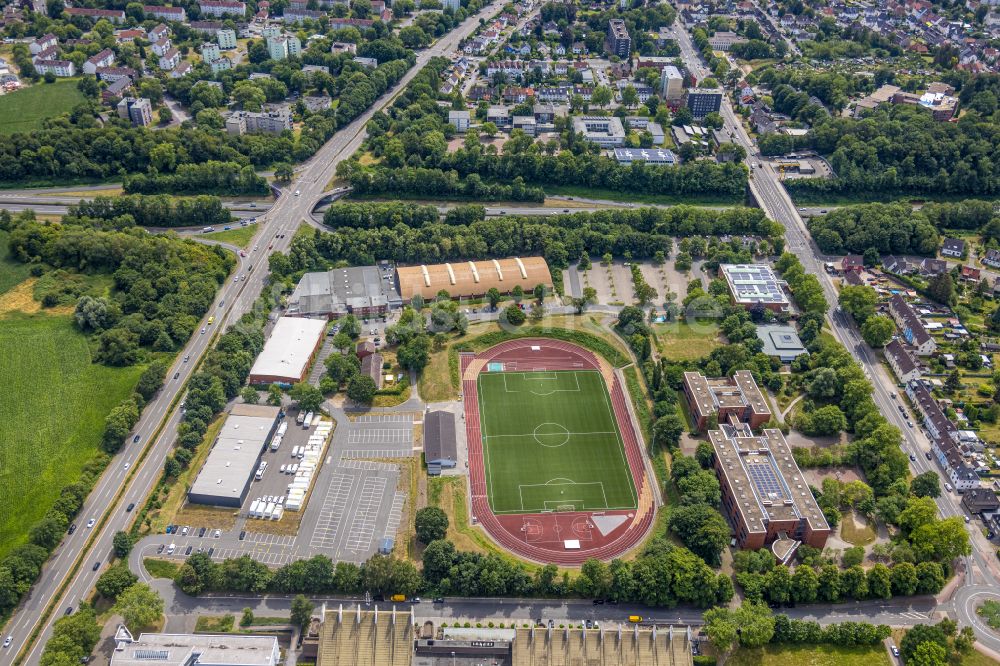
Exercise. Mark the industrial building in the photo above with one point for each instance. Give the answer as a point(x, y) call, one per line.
point(472, 279)
point(737, 396)
point(225, 478)
point(359, 290)
point(358, 637)
point(288, 352)
point(440, 444)
point(750, 284)
point(194, 650)
point(764, 493)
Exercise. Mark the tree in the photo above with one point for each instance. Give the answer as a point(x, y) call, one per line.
point(517, 293)
point(878, 330)
point(903, 579)
point(493, 296)
point(166, 115)
point(115, 580)
point(438, 558)
point(629, 96)
point(513, 315)
point(361, 389)
point(284, 172)
point(954, 382)
point(825, 384)
point(302, 610)
point(805, 584)
point(140, 606)
point(941, 540)
point(539, 292)
point(250, 395)
point(342, 367)
point(667, 431)
point(122, 544)
point(308, 397)
point(752, 625)
point(581, 303)
point(601, 96)
point(702, 529)
point(942, 288)
point(859, 301)
point(928, 654)
point(926, 485)
point(721, 629)
point(247, 618)
point(274, 395)
point(431, 524)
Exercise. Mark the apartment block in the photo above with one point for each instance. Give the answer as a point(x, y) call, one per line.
point(619, 41)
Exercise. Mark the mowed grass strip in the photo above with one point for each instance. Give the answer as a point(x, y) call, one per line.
point(550, 440)
point(51, 416)
point(25, 109)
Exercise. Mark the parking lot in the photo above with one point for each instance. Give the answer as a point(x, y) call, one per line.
point(353, 504)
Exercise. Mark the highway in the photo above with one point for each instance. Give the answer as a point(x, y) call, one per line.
point(130, 479)
point(980, 571)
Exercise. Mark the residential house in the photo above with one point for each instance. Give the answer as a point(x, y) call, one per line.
point(992, 258)
point(116, 90)
point(161, 47)
point(220, 8)
point(901, 362)
point(852, 263)
point(113, 74)
point(116, 16)
point(60, 68)
point(105, 58)
point(953, 247)
point(161, 31)
point(932, 267)
point(898, 265)
point(170, 59)
point(911, 326)
point(43, 43)
point(165, 13)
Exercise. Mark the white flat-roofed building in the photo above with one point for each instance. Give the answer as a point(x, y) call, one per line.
point(225, 478)
point(607, 132)
point(288, 352)
point(194, 650)
point(655, 156)
point(750, 284)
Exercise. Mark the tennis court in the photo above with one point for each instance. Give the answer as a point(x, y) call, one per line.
point(551, 443)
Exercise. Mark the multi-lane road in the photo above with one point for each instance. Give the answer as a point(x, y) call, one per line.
point(69, 576)
point(980, 572)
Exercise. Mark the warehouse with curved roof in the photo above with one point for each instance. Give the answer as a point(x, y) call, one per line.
point(471, 279)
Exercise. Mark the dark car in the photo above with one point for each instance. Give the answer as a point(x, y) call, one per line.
point(201, 532)
point(97, 565)
point(135, 439)
point(176, 375)
point(72, 528)
point(439, 600)
point(928, 455)
point(243, 535)
point(913, 458)
point(69, 610)
point(129, 508)
point(159, 549)
point(210, 551)
point(188, 551)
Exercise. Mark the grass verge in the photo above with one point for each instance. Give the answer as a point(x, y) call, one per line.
point(239, 236)
point(631, 197)
point(161, 568)
point(819, 655)
point(680, 341)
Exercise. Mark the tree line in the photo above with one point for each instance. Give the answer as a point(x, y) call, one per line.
point(663, 575)
point(155, 211)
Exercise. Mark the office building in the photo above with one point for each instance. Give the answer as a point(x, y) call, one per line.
point(619, 41)
point(764, 493)
point(359, 290)
point(750, 284)
point(702, 101)
point(671, 84)
point(226, 476)
point(655, 157)
point(137, 111)
point(194, 650)
point(722, 398)
point(605, 131)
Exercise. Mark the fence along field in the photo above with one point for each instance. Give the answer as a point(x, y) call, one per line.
point(551, 443)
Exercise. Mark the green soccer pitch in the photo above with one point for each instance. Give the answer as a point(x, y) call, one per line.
point(551, 443)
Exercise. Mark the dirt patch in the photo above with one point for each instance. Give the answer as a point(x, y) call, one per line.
point(212, 517)
point(20, 298)
point(846, 474)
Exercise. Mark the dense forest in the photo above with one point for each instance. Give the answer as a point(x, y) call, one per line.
point(901, 148)
point(897, 228)
point(154, 211)
point(162, 285)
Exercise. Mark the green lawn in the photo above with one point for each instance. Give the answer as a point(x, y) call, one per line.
point(550, 441)
point(820, 655)
point(52, 414)
point(236, 236)
point(681, 341)
point(24, 110)
point(11, 272)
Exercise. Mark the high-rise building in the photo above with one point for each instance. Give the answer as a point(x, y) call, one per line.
point(226, 38)
point(137, 111)
point(671, 84)
point(703, 101)
point(619, 42)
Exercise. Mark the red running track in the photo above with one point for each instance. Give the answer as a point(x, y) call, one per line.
point(539, 536)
